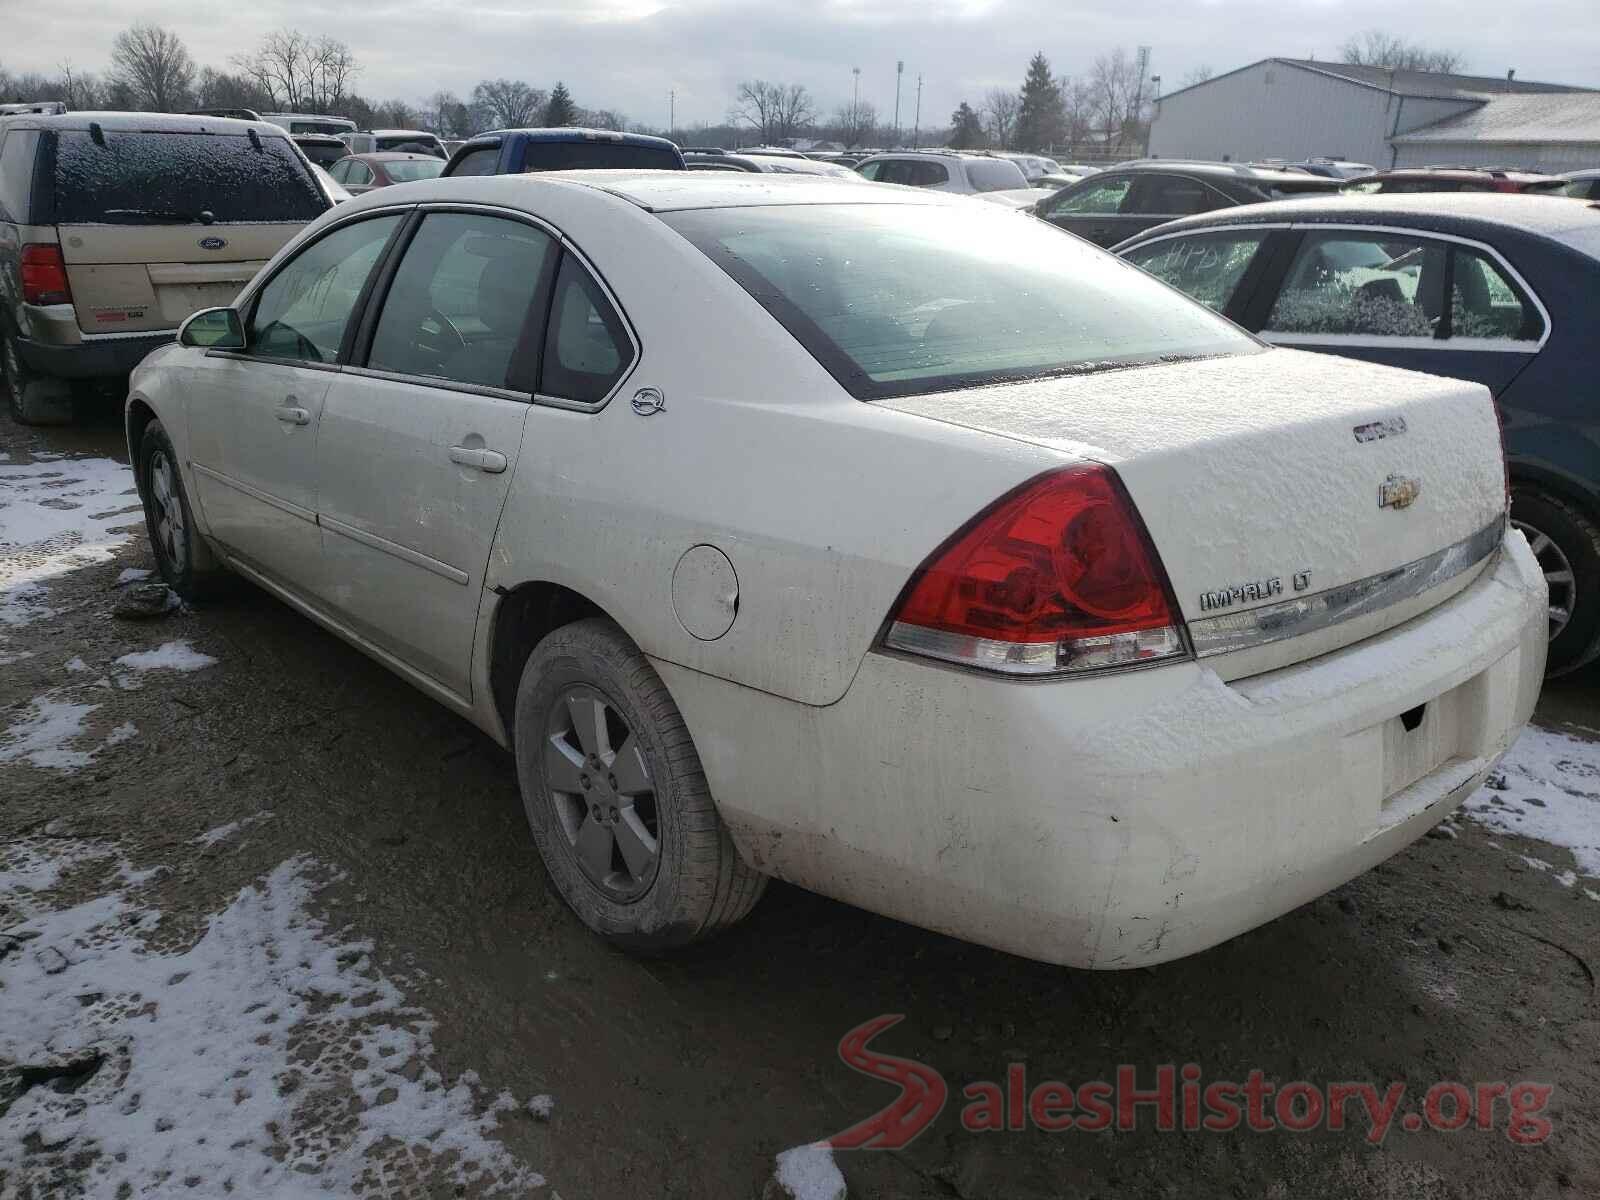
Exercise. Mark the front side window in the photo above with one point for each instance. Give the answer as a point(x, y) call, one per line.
point(302, 312)
point(1370, 285)
point(359, 174)
point(1100, 197)
point(898, 300)
point(1207, 266)
point(1484, 303)
point(460, 299)
point(135, 177)
point(586, 349)
point(870, 171)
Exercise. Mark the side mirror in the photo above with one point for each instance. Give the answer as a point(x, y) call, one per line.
point(213, 328)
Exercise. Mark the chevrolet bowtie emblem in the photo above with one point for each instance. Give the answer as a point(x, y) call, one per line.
point(1398, 492)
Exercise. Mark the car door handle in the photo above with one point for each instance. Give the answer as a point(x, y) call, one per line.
point(490, 461)
point(293, 416)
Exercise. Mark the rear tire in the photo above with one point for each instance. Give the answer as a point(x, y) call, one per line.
point(183, 556)
point(1567, 544)
point(616, 796)
point(34, 399)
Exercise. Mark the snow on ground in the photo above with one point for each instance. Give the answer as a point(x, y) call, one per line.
point(223, 832)
point(169, 656)
point(41, 736)
point(270, 1057)
point(55, 517)
point(132, 575)
point(1548, 788)
point(809, 1173)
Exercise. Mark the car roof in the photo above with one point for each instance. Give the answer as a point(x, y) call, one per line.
point(576, 133)
point(1554, 217)
point(1244, 172)
point(419, 133)
point(138, 122)
point(394, 156)
point(1458, 173)
point(677, 191)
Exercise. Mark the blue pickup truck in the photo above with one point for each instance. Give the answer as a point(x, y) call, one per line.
point(514, 151)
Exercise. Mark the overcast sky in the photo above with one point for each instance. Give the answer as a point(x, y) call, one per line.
point(627, 54)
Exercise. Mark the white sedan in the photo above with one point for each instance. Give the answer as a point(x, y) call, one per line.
point(864, 538)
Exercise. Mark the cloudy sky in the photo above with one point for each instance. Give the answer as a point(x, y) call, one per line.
point(628, 54)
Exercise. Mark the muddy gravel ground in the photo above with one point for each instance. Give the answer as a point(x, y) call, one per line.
point(374, 850)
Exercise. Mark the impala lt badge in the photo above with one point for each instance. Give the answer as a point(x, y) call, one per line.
point(1372, 431)
point(1397, 491)
point(1256, 589)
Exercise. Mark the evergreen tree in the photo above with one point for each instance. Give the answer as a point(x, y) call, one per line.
point(968, 128)
point(561, 110)
point(1041, 120)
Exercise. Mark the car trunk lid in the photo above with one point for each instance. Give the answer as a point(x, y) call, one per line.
point(1275, 484)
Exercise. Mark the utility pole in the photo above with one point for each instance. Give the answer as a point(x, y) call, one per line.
point(899, 70)
point(672, 115)
point(916, 126)
point(855, 97)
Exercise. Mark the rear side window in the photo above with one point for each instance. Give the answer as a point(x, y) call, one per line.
point(605, 156)
point(1370, 285)
point(1206, 266)
point(586, 349)
point(16, 174)
point(138, 178)
point(1177, 196)
point(477, 162)
point(995, 175)
point(1485, 303)
point(461, 297)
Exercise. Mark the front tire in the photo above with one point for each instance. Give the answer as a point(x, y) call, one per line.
point(616, 797)
point(34, 399)
point(183, 556)
point(1567, 544)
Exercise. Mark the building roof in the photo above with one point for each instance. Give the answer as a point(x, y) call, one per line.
point(1563, 117)
point(1438, 85)
point(1435, 85)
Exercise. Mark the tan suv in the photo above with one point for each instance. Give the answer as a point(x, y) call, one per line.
point(114, 227)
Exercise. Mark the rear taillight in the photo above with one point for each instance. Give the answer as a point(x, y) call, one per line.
point(44, 275)
point(1058, 577)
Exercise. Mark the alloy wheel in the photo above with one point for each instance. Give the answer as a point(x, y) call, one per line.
point(602, 792)
point(172, 536)
point(1558, 576)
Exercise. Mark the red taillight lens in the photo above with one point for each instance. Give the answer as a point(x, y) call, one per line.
point(44, 275)
point(1059, 576)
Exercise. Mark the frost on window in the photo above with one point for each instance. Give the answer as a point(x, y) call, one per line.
point(1207, 268)
point(1363, 287)
point(145, 178)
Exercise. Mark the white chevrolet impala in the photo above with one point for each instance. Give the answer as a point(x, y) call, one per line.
point(895, 545)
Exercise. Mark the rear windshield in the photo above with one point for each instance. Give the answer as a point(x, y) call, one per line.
point(605, 156)
point(138, 178)
point(409, 170)
point(896, 300)
point(324, 155)
point(995, 175)
point(411, 144)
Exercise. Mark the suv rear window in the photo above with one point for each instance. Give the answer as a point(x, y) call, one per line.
point(995, 175)
point(605, 156)
point(897, 300)
point(140, 178)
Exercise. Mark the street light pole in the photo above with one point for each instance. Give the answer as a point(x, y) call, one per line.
point(899, 70)
point(916, 126)
point(672, 114)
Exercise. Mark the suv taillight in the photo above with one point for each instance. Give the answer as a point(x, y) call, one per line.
point(44, 275)
point(1057, 577)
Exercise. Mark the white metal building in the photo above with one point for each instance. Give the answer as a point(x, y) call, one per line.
point(1298, 108)
point(1552, 133)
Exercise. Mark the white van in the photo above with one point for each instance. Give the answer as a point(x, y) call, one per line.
point(310, 123)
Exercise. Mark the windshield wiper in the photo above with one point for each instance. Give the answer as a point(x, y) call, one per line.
point(163, 214)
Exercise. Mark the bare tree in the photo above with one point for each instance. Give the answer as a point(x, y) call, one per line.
point(853, 123)
point(774, 110)
point(299, 72)
point(1375, 48)
point(1077, 109)
point(508, 103)
point(1117, 97)
point(1000, 108)
point(155, 66)
point(220, 89)
point(80, 89)
point(1199, 75)
point(602, 118)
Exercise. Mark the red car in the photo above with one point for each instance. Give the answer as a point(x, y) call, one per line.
point(362, 172)
point(1454, 179)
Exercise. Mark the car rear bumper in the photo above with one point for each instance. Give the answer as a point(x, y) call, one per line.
point(52, 344)
point(1129, 819)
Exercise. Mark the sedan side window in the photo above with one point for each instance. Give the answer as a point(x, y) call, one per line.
point(459, 302)
point(1206, 266)
point(1099, 197)
point(1178, 196)
point(1484, 303)
point(586, 349)
point(359, 174)
point(303, 310)
point(1369, 285)
point(869, 171)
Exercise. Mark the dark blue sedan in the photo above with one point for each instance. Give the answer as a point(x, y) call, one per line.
point(1500, 289)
